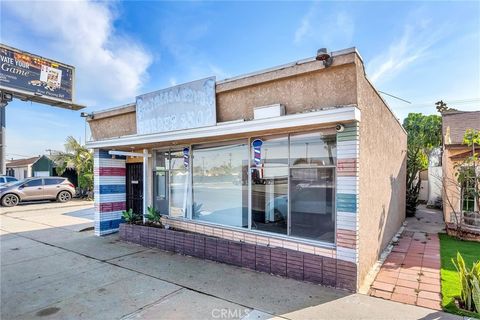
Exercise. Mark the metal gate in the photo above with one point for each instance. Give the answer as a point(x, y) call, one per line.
point(135, 187)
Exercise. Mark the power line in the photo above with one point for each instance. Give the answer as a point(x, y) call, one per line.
point(391, 95)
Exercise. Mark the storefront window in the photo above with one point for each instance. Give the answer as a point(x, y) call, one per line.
point(270, 198)
point(220, 187)
point(273, 150)
point(292, 184)
point(305, 208)
point(312, 194)
point(269, 174)
point(312, 149)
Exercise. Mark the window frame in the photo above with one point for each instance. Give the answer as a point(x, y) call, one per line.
point(25, 184)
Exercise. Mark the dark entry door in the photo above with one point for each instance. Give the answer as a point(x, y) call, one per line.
point(135, 187)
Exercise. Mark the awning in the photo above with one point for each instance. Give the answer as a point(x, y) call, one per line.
point(328, 116)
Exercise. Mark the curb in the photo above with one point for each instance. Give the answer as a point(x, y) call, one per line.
point(52, 207)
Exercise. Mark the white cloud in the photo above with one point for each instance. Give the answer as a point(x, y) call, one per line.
point(109, 66)
point(415, 42)
point(328, 29)
point(305, 26)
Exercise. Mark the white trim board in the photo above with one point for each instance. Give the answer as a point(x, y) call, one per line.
point(334, 115)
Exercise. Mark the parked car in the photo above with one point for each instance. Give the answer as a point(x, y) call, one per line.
point(6, 179)
point(46, 188)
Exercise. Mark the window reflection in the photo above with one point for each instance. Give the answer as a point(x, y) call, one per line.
point(312, 149)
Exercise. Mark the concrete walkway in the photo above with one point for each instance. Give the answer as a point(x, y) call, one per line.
point(52, 272)
point(411, 272)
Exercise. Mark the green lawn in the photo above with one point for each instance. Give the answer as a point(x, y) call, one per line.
point(470, 252)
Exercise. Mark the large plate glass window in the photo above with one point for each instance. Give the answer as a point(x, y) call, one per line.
point(220, 188)
point(269, 174)
point(312, 197)
point(293, 184)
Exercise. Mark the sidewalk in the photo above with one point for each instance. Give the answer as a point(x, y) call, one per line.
point(45, 205)
point(411, 272)
point(56, 273)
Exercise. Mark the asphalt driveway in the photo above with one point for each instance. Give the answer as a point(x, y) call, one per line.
point(51, 270)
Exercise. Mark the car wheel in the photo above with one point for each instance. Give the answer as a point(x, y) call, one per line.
point(10, 200)
point(64, 196)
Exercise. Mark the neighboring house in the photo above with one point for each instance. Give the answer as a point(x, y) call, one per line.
point(306, 157)
point(40, 166)
point(454, 125)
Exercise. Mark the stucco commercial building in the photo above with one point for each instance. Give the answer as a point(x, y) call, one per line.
point(305, 157)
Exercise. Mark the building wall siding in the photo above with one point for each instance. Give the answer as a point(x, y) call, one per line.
point(382, 175)
point(347, 204)
point(109, 189)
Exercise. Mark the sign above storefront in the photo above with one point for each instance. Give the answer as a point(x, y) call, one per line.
point(186, 106)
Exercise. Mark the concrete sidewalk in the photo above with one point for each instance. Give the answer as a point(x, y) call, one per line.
point(53, 272)
point(76, 215)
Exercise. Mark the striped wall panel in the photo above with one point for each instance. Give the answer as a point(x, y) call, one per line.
point(110, 193)
point(347, 193)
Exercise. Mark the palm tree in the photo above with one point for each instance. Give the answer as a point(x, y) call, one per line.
point(78, 158)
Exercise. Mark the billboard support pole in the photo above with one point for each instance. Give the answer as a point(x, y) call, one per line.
point(3, 168)
point(4, 99)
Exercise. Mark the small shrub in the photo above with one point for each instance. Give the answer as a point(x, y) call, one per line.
point(130, 217)
point(153, 216)
point(469, 298)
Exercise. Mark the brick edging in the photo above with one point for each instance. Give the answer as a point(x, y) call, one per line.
point(278, 261)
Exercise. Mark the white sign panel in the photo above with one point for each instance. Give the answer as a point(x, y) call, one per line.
point(189, 105)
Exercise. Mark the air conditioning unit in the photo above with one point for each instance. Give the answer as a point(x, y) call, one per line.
point(270, 111)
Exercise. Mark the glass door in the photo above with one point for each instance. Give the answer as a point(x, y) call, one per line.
point(171, 182)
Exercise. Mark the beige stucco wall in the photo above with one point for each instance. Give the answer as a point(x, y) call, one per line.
point(298, 87)
point(115, 123)
point(382, 175)
point(320, 88)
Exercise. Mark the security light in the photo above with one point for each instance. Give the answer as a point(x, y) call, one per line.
point(322, 55)
point(87, 115)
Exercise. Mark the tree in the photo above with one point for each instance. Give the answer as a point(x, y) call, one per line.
point(424, 133)
point(78, 158)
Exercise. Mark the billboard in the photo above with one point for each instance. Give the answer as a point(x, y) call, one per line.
point(185, 106)
point(26, 74)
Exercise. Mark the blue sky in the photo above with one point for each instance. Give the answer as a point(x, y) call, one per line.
point(420, 51)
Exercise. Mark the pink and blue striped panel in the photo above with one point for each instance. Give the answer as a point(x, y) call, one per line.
point(347, 193)
point(110, 191)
